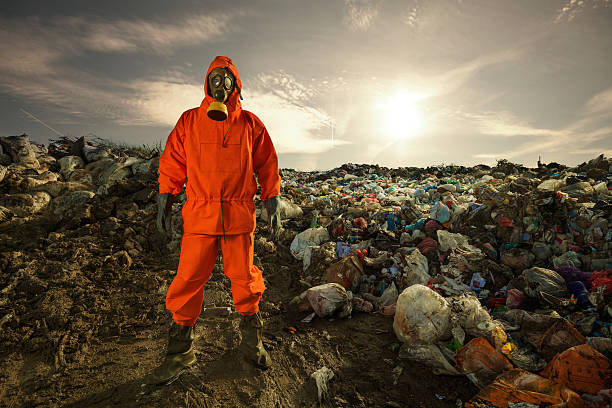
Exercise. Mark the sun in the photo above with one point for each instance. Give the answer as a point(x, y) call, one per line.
point(402, 115)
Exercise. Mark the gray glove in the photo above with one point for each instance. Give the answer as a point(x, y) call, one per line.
point(274, 218)
point(164, 212)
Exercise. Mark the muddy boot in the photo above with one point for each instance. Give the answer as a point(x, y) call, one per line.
point(252, 347)
point(180, 354)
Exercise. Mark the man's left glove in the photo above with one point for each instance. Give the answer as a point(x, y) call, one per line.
point(164, 212)
point(274, 218)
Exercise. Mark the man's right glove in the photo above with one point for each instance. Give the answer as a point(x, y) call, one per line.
point(164, 212)
point(274, 218)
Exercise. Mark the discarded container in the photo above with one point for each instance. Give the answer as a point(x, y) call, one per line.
point(477, 282)
point(421, 315)
point(581, 368)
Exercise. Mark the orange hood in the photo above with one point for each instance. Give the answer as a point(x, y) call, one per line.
point(233, 102)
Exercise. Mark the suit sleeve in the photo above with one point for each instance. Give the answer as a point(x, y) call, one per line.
point(265, 164)
point(173, 163)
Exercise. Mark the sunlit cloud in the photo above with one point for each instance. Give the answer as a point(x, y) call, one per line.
point(159, 102)
point(506, 124)
point(360, 14)
point(285, 106)
point(572, 8)
point(587, 129)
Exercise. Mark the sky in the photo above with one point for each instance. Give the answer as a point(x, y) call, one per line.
point(396, 83)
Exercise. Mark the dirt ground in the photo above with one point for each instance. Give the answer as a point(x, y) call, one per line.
point(84, 328)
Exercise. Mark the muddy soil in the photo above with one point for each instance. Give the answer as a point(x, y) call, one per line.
point(83, 323)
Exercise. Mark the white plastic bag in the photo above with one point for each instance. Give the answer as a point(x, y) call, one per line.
point(429, 355)
point(417, 269)
point(329, 299)
point(449, 240)
point(310, 237)
point(421, 315)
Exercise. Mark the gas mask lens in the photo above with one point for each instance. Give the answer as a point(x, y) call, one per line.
point(216, 81)
point(227, 82)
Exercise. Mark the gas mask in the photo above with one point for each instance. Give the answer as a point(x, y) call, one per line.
point(221, 84)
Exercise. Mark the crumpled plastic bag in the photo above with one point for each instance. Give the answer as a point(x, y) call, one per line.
point(522, 386)
point(544, 280)
point(481, 362)
point(570, 258)
point(559, 337)
point(449, 240)
point(346, 272)
point(421, 316)
point(322, 377)
point(428, 246)
point(310, 237)
point(416, 269)
point(440, 212)
point(468, 313)
point(581, 368)
point(429, 355)
point(328, 300)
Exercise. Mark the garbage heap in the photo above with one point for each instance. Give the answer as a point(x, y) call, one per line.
point(503, 274)
point(77, 234)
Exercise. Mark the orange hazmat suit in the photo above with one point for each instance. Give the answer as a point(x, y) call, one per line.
point(219, 161)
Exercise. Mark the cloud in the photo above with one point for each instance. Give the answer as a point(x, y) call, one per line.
point(590, 128)
point(360, 14)
point(35, 66)
point(285, 105)
point(410, 15)
point(600, 103)
point(506, 124)
point(572, 8)
point(159, 102)
point(33, 46)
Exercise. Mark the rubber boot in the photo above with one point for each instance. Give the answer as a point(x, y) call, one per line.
point(180, 354)
point(251, 346)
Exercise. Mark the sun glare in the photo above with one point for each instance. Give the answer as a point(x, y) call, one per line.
point(403, 117)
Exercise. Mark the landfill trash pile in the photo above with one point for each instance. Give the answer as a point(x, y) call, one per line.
point(472, 286)
point(486, 270)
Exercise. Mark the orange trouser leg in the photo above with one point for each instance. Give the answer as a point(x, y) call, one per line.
point(186, 292)
point(246, 278)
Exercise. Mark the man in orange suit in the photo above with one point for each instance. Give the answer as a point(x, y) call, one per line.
point(219, 147)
